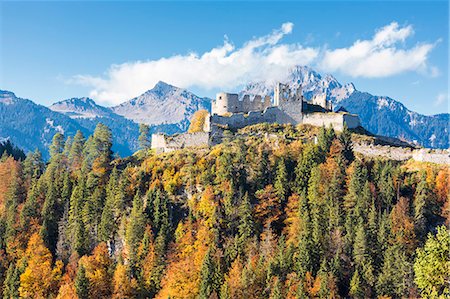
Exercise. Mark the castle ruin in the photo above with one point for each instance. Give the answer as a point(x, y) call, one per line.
point(229, 111)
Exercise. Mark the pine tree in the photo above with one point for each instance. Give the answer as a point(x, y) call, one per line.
point(134, 232)
point(346, 141)
point(144, 142)
point(246, 227)
point(76, 151)
point(393, 278)
point(356, 286)
point(82, 283)
point(309, 159)
point(281, 181)
point(422, 195)
point(207, 274)
point(11, 283)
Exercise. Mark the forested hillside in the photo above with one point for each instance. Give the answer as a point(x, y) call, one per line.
point(266, 214)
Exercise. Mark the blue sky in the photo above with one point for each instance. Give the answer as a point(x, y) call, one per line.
point(51, 51)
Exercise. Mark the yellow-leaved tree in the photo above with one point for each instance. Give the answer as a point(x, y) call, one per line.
point(40, 279)
point(198, 121)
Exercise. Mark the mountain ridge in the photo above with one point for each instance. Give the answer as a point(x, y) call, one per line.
point(168, 109)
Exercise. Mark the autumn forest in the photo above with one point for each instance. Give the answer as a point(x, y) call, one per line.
point(269, 213)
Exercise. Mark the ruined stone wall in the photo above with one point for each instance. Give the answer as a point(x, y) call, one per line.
point(226, 103)
point(337, 120)
point(291, 112)
point(402, 153)
point(241, 120)
point(164, 143)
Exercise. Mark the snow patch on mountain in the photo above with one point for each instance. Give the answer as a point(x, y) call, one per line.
point(51, 124)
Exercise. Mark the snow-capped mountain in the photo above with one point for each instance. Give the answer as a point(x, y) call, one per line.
point(379, 114)
point(164, 104)
point(310, 82)
point(81, 108)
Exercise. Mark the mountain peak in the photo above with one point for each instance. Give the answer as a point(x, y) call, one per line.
point(81, 108)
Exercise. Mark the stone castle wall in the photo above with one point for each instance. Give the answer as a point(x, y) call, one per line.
point(226, 103)
point(402, 153)
point(337, 120)
point(164, 143)
point(290, 113)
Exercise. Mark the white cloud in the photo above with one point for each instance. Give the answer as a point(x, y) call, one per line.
point(224, 67)
point(440, 99)
point(261, 59)
point(381, 56)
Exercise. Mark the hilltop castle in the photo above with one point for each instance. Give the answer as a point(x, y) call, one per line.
point(229, 111)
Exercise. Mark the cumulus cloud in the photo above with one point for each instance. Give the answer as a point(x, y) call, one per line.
point(382, 56)
point(226, 66)
point(261, 59)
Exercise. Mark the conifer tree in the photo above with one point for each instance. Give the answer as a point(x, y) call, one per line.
point(82, 283)
point(281, 181)
point(356, 286)
point(422, 195)
point(207, 274)
point(144, 142)
point(246, 227)
point(134, 231)
point(345, 138)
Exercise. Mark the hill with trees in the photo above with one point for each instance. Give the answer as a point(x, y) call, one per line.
point(269, 213)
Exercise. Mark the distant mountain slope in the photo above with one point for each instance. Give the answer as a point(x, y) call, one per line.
point(379, 115)
point(81, 108)
point(385, 116)
point(164, 104)
point(31, 126)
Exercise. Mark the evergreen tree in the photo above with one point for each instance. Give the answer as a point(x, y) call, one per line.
point(82, 283)
point(144, 142)
point(246, 227)
point(11, 283)
point(134, 231)
point(356, 287)
point(207, 274)
point(345, 138)
point(281, 181)
point(422, 195)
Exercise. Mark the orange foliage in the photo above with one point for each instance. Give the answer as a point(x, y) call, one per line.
point(312, 285)
point(8, 170)
point(293, 222)
point(233, 278)
point(442, 184)
point(182, 277)
point(291, 285)
point(39, 280)
point(97, 271)
point(268, 209)
point(123, 285)
point(67, 289)
point(402, 224)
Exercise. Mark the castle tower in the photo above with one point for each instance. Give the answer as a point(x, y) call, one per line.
point(226, 103)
